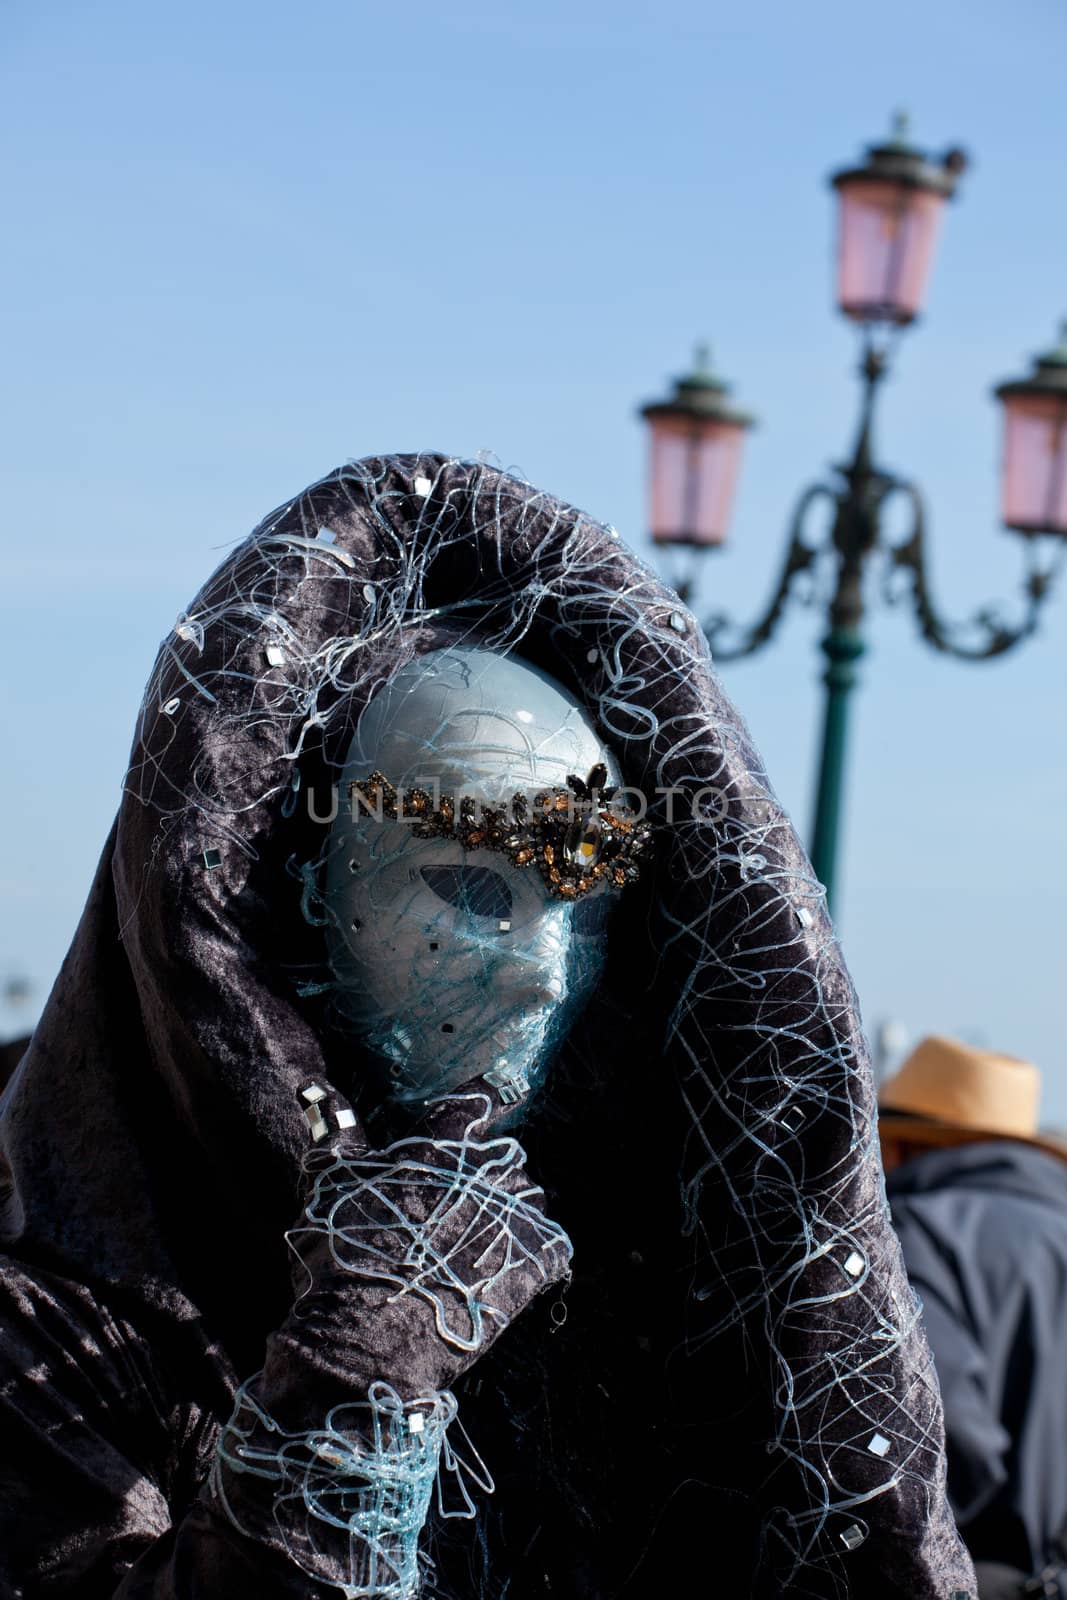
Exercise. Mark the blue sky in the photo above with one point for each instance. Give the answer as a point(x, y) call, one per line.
point(246, 241)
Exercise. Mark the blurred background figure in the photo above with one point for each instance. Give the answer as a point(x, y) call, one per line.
point(16, 997)
point(979, 1200)
point(11, 1053)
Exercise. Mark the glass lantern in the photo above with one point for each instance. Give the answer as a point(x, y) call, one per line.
point(1034, 481)
point(695, 440)
point(888, 220)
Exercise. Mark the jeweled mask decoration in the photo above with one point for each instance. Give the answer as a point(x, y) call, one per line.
point(472, 873)
point(569, 834)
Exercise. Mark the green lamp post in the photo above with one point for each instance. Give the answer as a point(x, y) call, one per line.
point(889, 214)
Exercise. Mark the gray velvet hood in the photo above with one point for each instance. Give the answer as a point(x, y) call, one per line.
point(737, 1374)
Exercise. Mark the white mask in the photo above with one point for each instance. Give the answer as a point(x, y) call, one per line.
point(454, 963)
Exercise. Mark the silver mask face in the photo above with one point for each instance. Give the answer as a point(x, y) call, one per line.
point(452, 963)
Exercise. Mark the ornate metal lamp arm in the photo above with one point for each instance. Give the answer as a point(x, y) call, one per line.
point(986, 634)
point(799, 557)
point(855, 536)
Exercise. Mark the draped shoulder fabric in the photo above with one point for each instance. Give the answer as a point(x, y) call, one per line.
point(734, 1382)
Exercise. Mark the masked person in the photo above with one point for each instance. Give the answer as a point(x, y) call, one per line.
point(979, 1201)
point(438, 830)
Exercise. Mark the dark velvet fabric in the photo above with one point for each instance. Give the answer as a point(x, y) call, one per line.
point(347, 1329)
point(671, 1411)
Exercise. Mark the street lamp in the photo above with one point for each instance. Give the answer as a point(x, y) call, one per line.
point(1034, 498)
point(889, 212)
point(695, 439)
point(888, 222)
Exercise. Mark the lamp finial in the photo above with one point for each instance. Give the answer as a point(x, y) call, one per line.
point(901, 127)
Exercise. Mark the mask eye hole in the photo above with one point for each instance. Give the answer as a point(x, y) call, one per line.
point(591, 915)
point(479, 891)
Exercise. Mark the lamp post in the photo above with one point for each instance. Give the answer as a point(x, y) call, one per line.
point(889, 213)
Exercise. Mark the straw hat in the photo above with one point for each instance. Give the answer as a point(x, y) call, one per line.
point(947, 1091)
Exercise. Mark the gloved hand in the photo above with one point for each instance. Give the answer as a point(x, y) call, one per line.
point(410, 1261)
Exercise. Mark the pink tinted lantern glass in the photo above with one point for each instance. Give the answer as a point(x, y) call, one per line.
point(1035, 463)
point(693, 473)
point(886, 237)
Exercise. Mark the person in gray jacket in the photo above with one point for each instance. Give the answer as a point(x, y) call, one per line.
point(979, 1202)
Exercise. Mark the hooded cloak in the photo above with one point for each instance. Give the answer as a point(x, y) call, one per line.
point(735, 1383)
